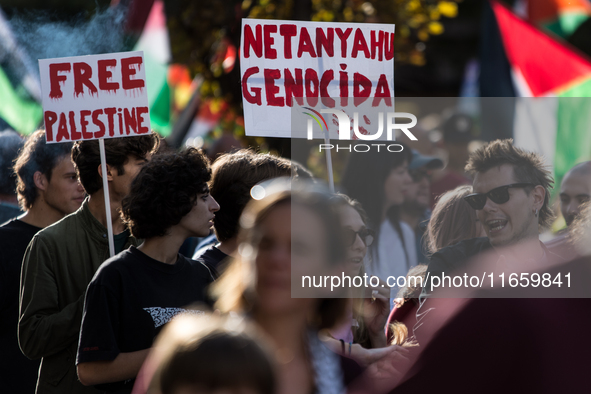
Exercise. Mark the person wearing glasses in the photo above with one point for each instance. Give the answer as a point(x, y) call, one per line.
point(379, 181)
point(417, 201)
point(361, 337)
point(511, 198)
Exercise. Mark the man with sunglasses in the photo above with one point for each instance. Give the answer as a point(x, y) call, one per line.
point(416, 210)
point(511, 192)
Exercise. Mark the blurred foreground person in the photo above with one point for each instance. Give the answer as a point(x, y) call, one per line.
point(233, 175)
point(284, 235)
point(10, 144)
point(135, 293)
point(209, 355)
point(61, 260)
point(48, 189)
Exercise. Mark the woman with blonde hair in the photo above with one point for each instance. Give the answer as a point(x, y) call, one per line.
point(452, 220)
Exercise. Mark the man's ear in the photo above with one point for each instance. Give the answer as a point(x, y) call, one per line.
point(40, 180)
point(109, 172)
point(539, 194)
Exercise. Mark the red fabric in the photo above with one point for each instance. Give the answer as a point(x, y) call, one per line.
point(546, 64)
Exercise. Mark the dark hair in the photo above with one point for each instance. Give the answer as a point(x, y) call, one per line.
point(364, 179)
point(365, 176)
point(453, 220)
point(212, 353)
point(300, 173)
point(528, 167)
point(164, 191)
point(233, 175)
point(10, 143)
point(37, 155)
point(235, 290)
point(86, 157)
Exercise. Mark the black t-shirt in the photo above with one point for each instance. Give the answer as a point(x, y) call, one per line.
point(130, 299)
point(19, 374)
point(215, 259)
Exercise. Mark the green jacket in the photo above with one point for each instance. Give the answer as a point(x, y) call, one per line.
point(58, 264)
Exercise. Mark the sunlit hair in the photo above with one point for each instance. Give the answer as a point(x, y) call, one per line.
point(409, 293)
point(37, 155)
point(235, 290)
point(233, 175)
point(400, 335)
point(528, 167)
point(212, 354)
point(452, 220)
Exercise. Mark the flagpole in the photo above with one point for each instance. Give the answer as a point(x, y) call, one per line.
point(107, 198)
point(329, 162)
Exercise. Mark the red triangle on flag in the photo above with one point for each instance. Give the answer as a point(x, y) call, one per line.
point(546, 65)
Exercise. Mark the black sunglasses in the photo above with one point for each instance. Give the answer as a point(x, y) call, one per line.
point(366, 235)
point(498, 195)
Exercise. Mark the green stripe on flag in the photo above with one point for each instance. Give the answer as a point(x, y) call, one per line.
point(22, 115)
point(573, 134)
point(160, 112)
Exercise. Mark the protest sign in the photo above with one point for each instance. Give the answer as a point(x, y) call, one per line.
point(93, 97)
point(288, 64)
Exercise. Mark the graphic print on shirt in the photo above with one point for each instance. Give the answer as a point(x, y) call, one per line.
point(161, 316)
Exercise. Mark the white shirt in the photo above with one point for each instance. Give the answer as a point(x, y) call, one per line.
point(390, 260)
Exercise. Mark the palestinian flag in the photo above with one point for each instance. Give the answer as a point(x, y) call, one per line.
point(20, 92)
point(21, 112)
point(561, 17)
point(156, 46)
point(555, 118)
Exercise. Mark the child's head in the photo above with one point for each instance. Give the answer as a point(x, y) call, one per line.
point(212, 355)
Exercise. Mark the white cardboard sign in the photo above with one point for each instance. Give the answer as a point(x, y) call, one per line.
point(288, 64)
point(96, 96)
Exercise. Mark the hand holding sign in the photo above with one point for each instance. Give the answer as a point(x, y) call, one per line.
point(95, 97)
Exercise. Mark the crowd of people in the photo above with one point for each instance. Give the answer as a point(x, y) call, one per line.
point(167, 315)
